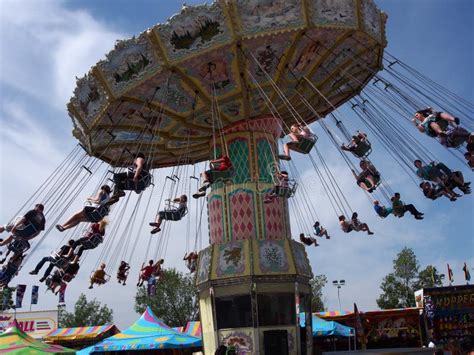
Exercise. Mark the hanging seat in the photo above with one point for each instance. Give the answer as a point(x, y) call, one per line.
point(26, 231)
point(97, 214)
point(362, 149)
point(145, 180)
point(99, 281)
point(59, 261)
point(224, 175)
point(93, 241)
point(289, 191)
point(18, 246)
point(305, 145)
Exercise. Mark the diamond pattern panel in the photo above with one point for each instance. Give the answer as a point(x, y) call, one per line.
point(216, 223)
point(265, 160)
point(273, 215)
point(242, 214)
point(239, 154)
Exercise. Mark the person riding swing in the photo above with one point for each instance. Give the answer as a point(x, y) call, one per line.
point(171, 213)
point(92, 238)
point(219, 167)
point(399, 208)
point(122, 272)
point(92, 214)
point(319, 231)
point(302, 141)
point(26, 227)
point(98, 277)
point(137, 178)
point(369, 177)
point(281, 187)
point(359, 145)
point(191, 261)
point(64, 254)
point(308, 240)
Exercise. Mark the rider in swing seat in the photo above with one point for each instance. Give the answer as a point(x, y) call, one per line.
point(129, 180)
point(307, 240)
point(359, 145)
point(369, 177)
point(66, 252)
point(399, 208)
point(10, 270)
point(25, 228)
point(171, 214)
point(298, 135)
point(219, 165)
point(382, 211)
point(96, 230)
point(191, 261)
point(98, 277)
point(122, 272)
point(91, 214)
point(319, 231)
point(282, 185)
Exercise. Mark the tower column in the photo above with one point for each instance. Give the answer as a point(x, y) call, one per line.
point(253, 279)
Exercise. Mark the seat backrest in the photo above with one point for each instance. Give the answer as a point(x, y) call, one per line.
point(362, 149)
point(93, 241)
point(305, 145)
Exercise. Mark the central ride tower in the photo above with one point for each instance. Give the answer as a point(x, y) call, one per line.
point(253, 279)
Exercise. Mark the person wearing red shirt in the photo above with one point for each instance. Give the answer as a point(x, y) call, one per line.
point(222, 164)
point(145, 273)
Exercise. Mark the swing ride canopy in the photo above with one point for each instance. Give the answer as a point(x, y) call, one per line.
point(16, 341)
point(162, 90)
point(147, 333)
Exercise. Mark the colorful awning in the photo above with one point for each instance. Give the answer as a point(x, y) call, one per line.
point(194, 329)
point(16, 341)
point(147, 333)
point(81, 333)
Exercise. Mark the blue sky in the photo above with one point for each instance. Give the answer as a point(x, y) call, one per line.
point(45, 45)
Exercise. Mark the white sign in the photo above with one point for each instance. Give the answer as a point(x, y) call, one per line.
point(419, 298)
point(36, 323)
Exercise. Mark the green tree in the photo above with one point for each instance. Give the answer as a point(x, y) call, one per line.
point(429, 277)
point(399, 286)
point(86, 314)
point(176, 300)
point(6, 299)
point(317, 283)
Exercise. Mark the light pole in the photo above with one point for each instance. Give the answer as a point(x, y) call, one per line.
point(339, 284)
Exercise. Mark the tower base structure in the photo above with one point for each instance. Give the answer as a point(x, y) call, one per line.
point(253, 279)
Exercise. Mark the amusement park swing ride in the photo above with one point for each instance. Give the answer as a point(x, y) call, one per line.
point(229, 82)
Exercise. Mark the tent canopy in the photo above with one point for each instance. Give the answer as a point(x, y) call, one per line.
point(323, 328)
point(16, 341)
point(81, 333)
point(147, 333)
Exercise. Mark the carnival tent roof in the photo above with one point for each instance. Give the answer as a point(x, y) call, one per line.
point(81, 333)
point(147, 333)
point(194, 329)
point(322, 328)
point(16, 341)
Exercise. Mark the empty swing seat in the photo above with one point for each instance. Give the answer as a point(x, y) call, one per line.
point(305, 145)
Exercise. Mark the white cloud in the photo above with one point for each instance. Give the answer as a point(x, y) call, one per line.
point(45, 46)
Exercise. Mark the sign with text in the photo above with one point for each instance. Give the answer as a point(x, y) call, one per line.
point(37, 323)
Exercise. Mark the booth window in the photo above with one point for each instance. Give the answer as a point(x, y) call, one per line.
point(233, 311)
point(276, 309)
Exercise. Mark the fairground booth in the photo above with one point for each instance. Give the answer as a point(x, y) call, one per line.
point(449, 316)
point(392, 328)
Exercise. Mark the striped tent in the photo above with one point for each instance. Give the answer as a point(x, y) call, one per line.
point(332, 313)
point(194, 329)
point(147, 333)
point(81, 334)
point(15, 341)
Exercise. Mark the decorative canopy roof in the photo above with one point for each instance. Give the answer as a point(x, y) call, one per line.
point(156, 91)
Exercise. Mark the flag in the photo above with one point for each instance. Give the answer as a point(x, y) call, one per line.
point(450, 274)
point(62, 295)
point(20, 292)
point(34, 294)
point(467, 274)
point(360, 327)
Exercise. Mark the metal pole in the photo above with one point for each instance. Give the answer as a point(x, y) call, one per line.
point(339, 297)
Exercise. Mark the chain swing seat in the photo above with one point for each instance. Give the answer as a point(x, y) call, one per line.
point(304, 144)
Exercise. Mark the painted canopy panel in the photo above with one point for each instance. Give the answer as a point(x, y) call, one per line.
point(156, 92)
